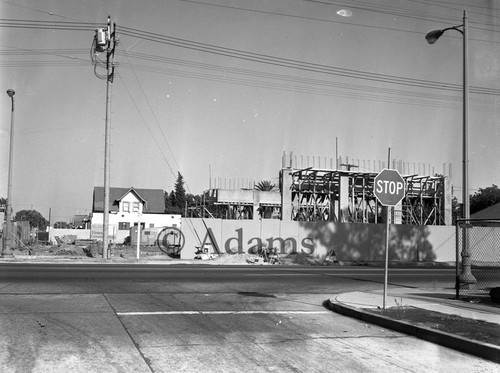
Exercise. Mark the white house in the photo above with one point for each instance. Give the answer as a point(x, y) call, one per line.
point(127, 207)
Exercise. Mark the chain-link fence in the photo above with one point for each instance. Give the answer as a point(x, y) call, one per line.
point(478, 257)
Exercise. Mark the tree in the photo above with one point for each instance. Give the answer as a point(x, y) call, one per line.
point(180, 192)
point(175, 202)
point(265, 186)
point(171, 204)
point(61, 224)
point(484, 197)
point(168, 202)
point(35, 219)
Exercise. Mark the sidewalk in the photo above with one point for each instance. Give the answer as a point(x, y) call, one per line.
point(354, 304)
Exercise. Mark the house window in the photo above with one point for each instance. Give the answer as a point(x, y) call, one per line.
point(123, 226)
point(126, 206)
point(151, 225)
point(135, 207)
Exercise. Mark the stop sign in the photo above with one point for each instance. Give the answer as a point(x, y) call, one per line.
point(389, 187)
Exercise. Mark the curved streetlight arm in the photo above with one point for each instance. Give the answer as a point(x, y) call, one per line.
point(434, 35)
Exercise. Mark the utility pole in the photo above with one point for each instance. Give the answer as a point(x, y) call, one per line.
point(105, 41)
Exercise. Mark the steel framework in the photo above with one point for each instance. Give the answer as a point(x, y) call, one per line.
point(423, 203)
point(346, 196)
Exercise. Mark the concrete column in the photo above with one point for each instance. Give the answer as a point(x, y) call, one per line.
point(447, 201)
point(343, 202)
point(256, 204)
point(286, 194)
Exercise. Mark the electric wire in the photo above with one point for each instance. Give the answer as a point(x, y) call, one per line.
point(336, 21)
point(206, 66)
point(52, 14)
point(471, 5)
point(423, 16)
point(293, 87)
point(154, 115)
point(296, 64)
point(145, 122)
point(295, 84)
point(306, 66)
point(384, 10)
point(48, 25)
point(276, 76)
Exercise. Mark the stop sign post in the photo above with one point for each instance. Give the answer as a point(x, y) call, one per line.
point(389, 188)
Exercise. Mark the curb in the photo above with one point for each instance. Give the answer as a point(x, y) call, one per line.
point(466, 345)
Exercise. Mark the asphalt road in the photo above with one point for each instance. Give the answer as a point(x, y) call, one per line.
point(150, 318)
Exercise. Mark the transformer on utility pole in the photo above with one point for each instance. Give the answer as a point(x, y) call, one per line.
point(105, 41)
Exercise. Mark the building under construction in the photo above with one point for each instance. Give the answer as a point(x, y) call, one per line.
point(347, 196)
point(333, 195)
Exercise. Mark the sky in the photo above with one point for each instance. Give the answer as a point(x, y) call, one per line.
point(218, 89)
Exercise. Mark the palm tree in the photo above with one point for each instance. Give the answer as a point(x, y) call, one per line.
point(265, 186)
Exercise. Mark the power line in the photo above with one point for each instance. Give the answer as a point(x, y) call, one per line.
point(298, 84)
point(456, 6)
point(261, 74)
point(295, 64)
point(153, 58)
point(294, 87)
point(146, 124)
point(158, 125)
point(288, 63)
point(381, 9)
point(48, 25)
point(418, 15)
point(155, 118)
point(37, 10)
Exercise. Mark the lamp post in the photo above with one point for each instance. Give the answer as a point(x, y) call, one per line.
point(7, 251)
point(465, 276)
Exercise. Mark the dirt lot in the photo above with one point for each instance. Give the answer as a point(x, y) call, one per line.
point(118, 252)
point(469, 328)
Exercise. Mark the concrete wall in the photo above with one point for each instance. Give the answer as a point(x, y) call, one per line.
point(352, 242)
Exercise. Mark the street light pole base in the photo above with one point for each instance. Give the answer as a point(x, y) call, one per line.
point(466, 278)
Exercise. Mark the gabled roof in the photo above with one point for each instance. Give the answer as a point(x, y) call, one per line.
point(491, 212)
point(133, 191)
point(153, 199)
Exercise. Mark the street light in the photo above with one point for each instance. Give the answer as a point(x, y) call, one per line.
point(7, 251)
point(466, 276)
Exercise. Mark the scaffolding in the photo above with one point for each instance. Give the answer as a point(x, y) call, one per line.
point(424, 203)
point(235, 210)
point(347, 196)
point(316, 196)
point(344, 196)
